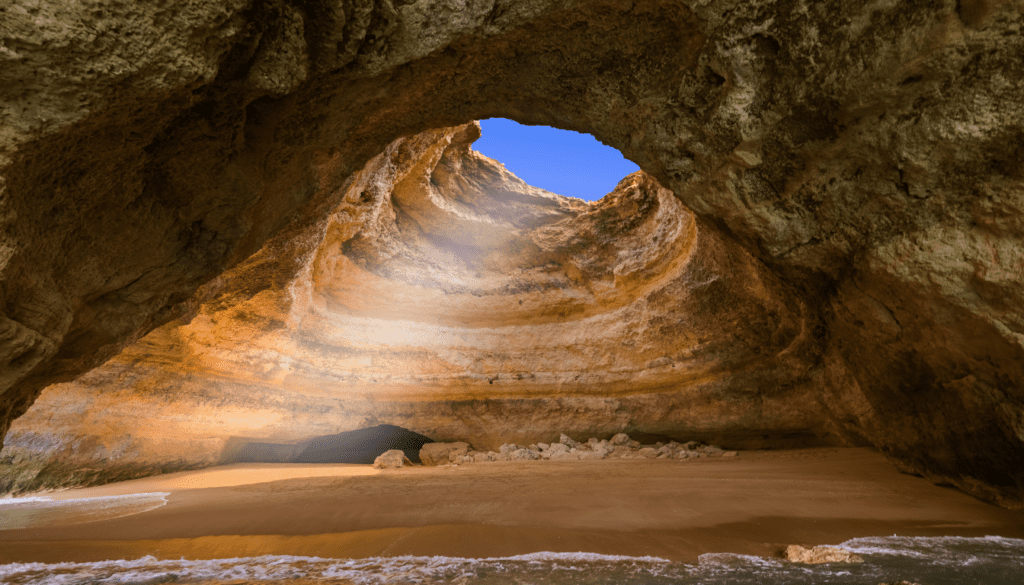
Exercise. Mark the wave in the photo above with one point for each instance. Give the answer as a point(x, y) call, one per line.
point(369, 571)
point(31, 512)
point(936, 561)
point(945, 550)
point(24, 500)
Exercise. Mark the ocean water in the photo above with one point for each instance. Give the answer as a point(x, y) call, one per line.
point(45, 511)
point(987, 560)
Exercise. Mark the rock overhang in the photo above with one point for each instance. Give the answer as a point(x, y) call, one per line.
point(864, 154)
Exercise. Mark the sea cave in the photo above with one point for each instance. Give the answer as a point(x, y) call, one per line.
point(236, 235)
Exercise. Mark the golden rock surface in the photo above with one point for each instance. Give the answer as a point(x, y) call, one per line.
point(446, 296)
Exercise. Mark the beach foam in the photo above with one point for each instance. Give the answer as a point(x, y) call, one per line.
point(996, 562)
point(33, 512)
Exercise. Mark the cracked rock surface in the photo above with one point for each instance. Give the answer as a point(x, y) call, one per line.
point(867, 155)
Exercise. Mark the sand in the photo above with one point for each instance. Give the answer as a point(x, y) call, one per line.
point(756, 503)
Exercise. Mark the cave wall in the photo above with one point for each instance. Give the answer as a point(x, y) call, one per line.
point(447, 296)
point(869, 154)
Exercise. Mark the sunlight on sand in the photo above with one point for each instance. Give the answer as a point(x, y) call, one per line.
point(250, 473)
point(236, 474)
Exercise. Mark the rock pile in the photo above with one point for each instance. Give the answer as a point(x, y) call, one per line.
point(441, 453)
point(620, 446)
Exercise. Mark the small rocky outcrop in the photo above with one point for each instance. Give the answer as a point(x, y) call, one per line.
point(393, 459)
point(795, 553)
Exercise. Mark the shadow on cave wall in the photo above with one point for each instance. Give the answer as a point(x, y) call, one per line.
point(358, 446)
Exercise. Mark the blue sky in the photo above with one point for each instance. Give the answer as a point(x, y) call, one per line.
point(561, 161)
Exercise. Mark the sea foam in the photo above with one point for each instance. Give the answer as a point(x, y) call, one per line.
point(32, 512)
point(923, 560)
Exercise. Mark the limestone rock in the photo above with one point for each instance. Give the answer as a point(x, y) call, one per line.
point(820, 554)
point(442, 453)
point(393, 459)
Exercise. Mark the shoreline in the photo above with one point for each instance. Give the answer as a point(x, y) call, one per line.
point(756, 504)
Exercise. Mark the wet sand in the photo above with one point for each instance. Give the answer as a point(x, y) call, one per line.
point(756, 504)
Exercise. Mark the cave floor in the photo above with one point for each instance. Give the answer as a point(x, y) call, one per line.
point(756, 503)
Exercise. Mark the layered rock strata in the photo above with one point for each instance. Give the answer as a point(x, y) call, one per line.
point(448, 297)
point(869, 154)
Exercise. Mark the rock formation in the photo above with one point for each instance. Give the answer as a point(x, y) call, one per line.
point(446, 296)
point(867, 156)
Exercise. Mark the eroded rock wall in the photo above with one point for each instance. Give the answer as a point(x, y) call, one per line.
point(447, 296)
point(868, 153)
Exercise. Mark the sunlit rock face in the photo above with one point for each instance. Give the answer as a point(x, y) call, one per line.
point(867, 153)
point(446, 296)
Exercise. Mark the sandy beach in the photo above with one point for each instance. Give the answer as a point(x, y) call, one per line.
point(756, 503)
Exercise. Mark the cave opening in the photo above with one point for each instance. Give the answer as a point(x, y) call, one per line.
point(565, 162)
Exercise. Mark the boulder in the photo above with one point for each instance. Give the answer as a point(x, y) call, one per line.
point(392, 459)
point(820, 554)
point(441, 453)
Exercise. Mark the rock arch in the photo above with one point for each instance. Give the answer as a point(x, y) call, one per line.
point(867, 155)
